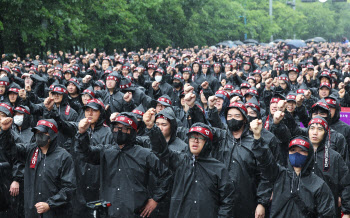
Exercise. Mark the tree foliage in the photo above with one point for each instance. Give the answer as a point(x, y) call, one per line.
point(37, 26)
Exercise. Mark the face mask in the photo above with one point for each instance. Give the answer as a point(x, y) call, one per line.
point(120, 138)
point(41, 139)
point(18, 120)
point(297, 159)
point(176, 85)
point(158, 78)
point(235, 125)
point(250, 118)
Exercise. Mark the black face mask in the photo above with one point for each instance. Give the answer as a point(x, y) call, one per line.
point(177, 85)
point(250, 118)
point(41, 139)
point(121, 138)
point(235, 125)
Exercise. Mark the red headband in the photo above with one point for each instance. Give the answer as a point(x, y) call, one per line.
point(222, 92)
point(252, 105)
point(239, 105)
point(59, 89)
point(14, 90)
point(299, 142)
point(291, 97)
point(90, 92)
point(320, 104)
point(162, 117)
point(331, 101)
point(22, 109)
point(319, 121)
point(48, 124)
point(202, 130)
point(252, 91)
point(162, 99)
point(95, 100)
point(4, 83)
point(112, 78)
point(245, 85)
point(7, 106)
point(125, 86)
point(138, 112)
point(275, 100)
point(127, 121)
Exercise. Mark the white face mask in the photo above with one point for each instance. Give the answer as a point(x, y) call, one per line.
point(158, 78)
point(18, 120)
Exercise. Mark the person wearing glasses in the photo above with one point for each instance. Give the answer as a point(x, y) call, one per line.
point(202, 187)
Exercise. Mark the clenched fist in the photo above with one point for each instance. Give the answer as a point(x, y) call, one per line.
point(84, 124)
point(149, 118)
point(190, 98)
point(6, 123)
point(256, 126)
point(212, 101)
point(278, 117)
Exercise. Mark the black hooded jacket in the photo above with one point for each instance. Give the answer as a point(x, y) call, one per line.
point(202, 187)
point(304, 195)
point(124, 174)
point(52, 180)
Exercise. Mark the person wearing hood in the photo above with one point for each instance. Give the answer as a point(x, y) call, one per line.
point(88, 175)
point(74, 90)
point(138, 95)
point(139, 111)
point(222, 102)
point(202, 187)
point(209, 77)
point(13, 97)
point(178, 85)
point(4, 84)
point(296, 108)
point(297, 191)
point(117, 101)
point(22, 123)
point(86, 95)
point(186, 74)
point(124, 168)
point(159, 87)
point(232, 146)
point(335, 122)
point(293, 74)
point(46, 194)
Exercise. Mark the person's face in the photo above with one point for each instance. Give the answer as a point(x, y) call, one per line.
point(57, 98)
point(321, 113)
point(227, 68)
point(295, 149)
point(251, 82)
point(125, 71)
point(217, 69)
point(323, 92)
point(332, 111)
point(251, 112)
point(72, 89)
point(67, 76)
point(13, 97)
point(203, 99)
point(136, 58)
point(316, 133)
point(2, 89)
point(244, 90)
point(92, 114)
point(283, 84)
point(150, 72)
point(18, 114)
point(246, 67)
point(120, 127)
point(85, 98)
point(164, 126)
point(159, 107)
point(195, 68)
point(110, 83)
point(97, 88)
point(28, 81)
point(291, 105)
point(105, 64)
point(324, 80)
point(186, 76)
point(273, 108)
point(3, 73)
point(219, 103)
point(292, 76)
point(2, 115)
point(196, 142)
point(257, 78)
point(182, 100)
point(234, 113)
point(310, 72)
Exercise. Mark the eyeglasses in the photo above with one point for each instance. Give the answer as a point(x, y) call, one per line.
point(193, 138)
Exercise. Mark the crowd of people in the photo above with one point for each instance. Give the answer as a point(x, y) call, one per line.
point(248, 131)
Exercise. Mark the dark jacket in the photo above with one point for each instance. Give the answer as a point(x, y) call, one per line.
point(305, 195)
point(124, 175)
point(202, 187)
point(52, 180)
